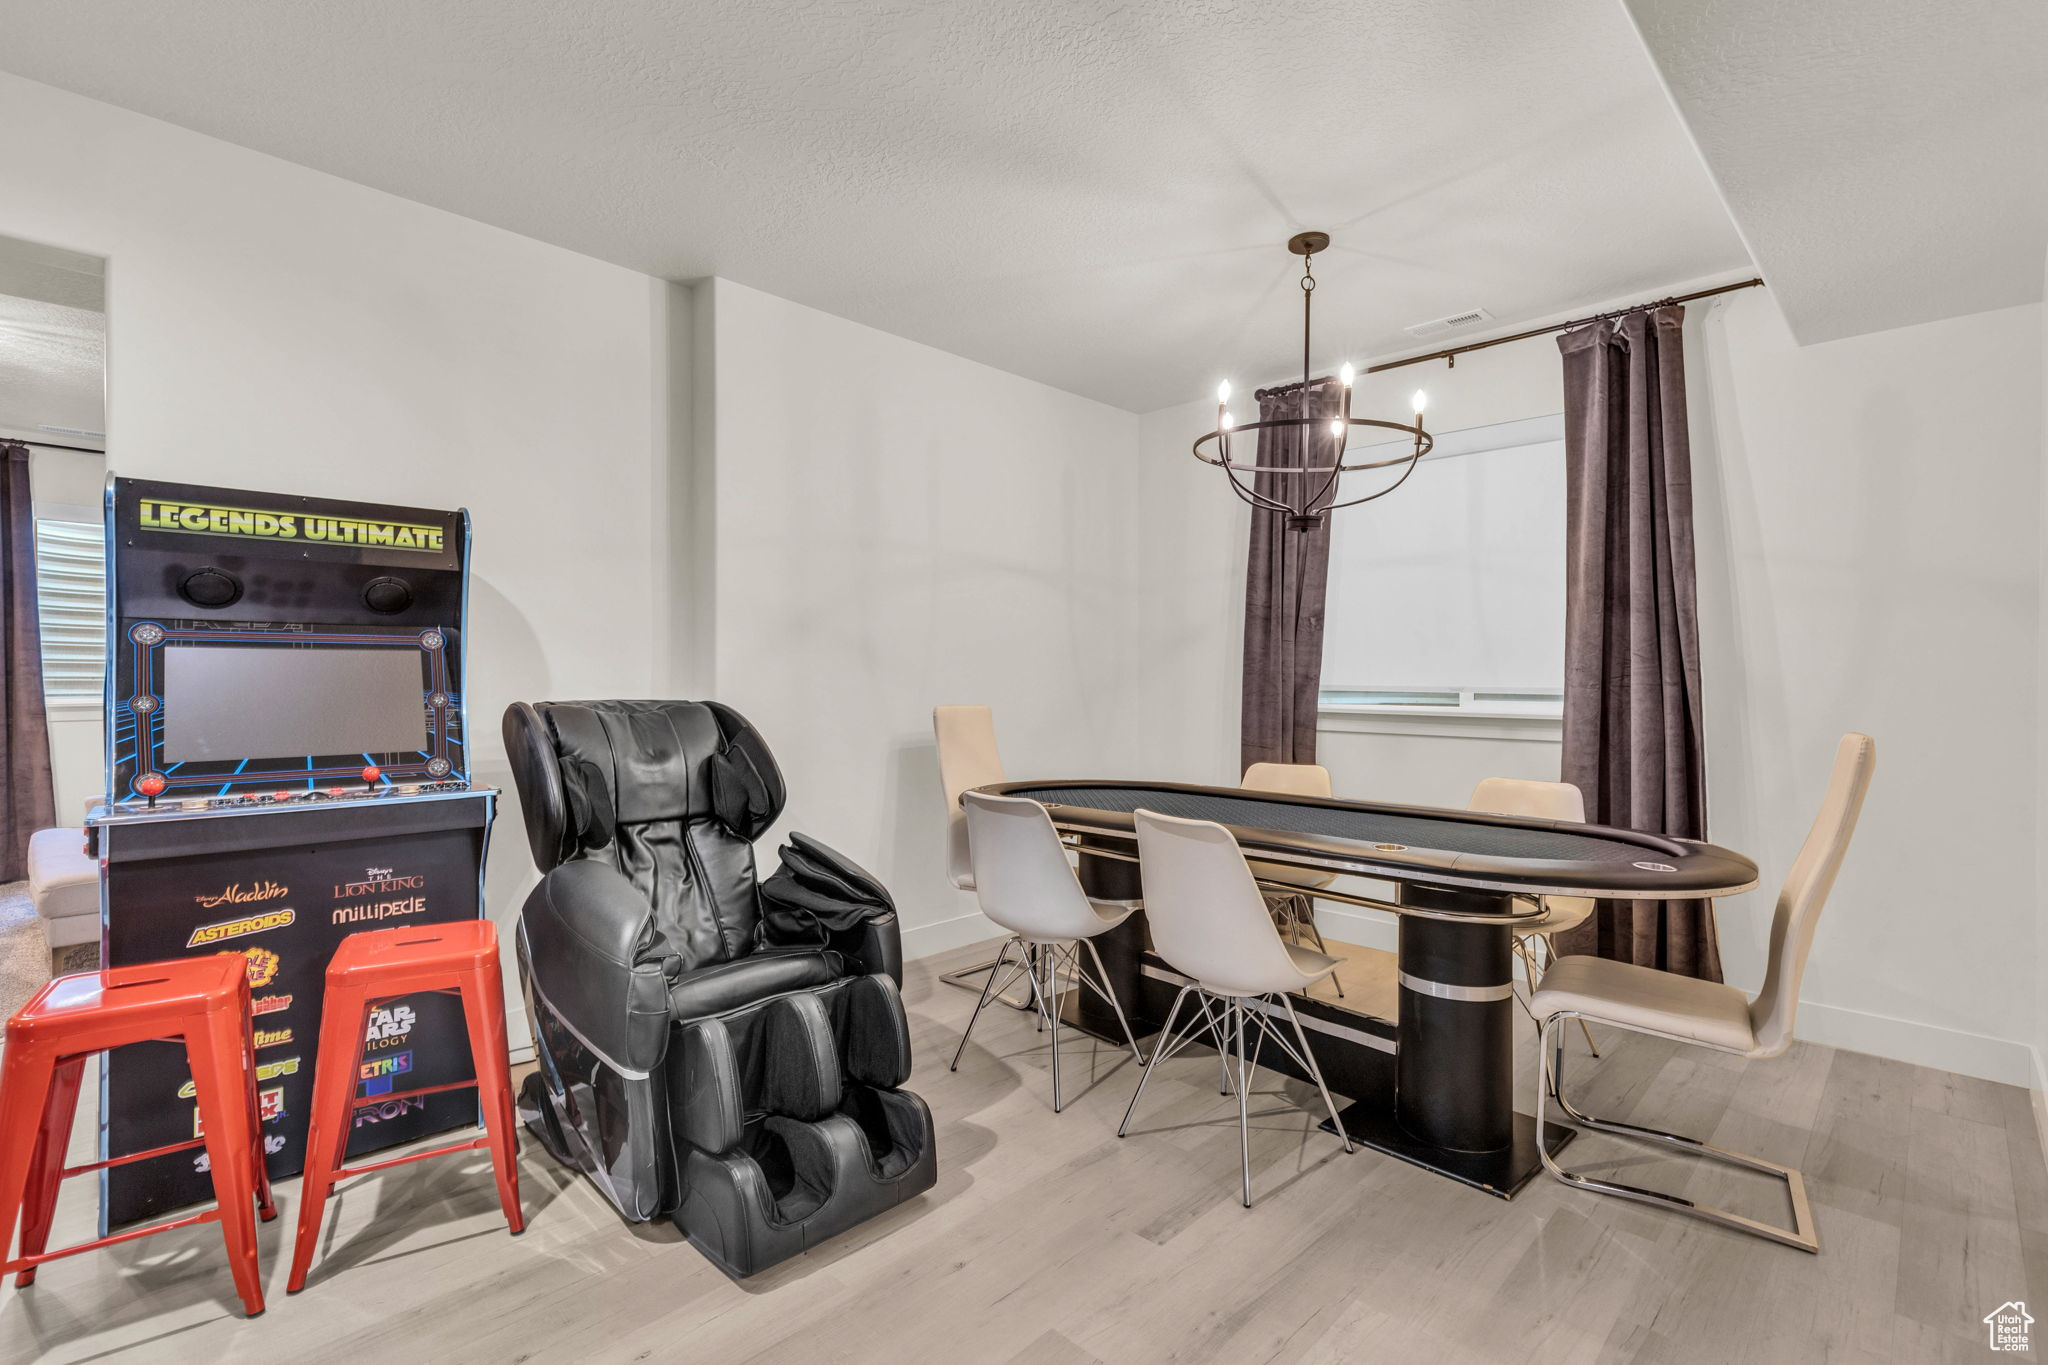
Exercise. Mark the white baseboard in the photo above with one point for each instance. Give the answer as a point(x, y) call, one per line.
point(2040, 1098)
point(1908, 1040)
point(518, 1032)
point(1905, 1040)
point(922, 940)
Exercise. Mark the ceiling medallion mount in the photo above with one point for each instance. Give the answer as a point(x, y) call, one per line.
point(1307, 492)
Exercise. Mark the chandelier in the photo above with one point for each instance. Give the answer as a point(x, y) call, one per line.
point(1308, 491)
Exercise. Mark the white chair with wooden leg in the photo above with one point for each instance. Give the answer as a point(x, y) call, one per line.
point(1026, 886)
point(1540, 801)
point(1706, 1013)
point(1210, 924)
point(1294, 911)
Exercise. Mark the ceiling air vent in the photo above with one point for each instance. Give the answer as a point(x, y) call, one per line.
point(1470, 317)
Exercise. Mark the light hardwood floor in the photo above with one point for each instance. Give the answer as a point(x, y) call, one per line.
point(1049, 1241)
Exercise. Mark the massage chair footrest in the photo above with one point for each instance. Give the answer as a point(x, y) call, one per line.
point(790, 1122)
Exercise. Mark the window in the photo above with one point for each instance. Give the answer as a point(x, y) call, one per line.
point(71, 604)
point(1448, 596)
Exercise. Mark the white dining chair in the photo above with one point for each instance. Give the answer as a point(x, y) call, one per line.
point(1293, 910)
point(1539, 801)
point(1707, 1013)
point(1210, 924)
point(1027, 886)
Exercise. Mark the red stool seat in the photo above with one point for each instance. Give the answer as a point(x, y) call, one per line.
point(204, 1001)
point(378, 965)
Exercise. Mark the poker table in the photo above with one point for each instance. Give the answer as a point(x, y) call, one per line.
point(1435, 1085)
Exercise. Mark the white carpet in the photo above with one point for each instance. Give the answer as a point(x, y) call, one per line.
point(24, 948)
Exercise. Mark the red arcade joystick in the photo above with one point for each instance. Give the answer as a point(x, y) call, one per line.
point(372, 773)
point(151, 785)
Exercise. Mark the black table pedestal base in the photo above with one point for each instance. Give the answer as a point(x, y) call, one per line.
point(1501, 1173)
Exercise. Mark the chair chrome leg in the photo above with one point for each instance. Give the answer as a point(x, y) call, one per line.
point(1218, 1030)
point(1048, 1017)
point(1107, 991)
point(988, 989)
point(958, 977)
point(1035, 952)
point(1161, 1047)
point(1308, 1059)
point(1244, 1086)
point(1801, 1234)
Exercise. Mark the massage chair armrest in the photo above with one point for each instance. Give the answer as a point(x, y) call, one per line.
point(836, 892)
point(876, 944)
point(591, 949)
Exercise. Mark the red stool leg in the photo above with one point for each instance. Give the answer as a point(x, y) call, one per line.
point(328, 1127)
point(266, 1205)
point(39, 1198)
point(217, 1048)
point(25, 1076)
point(483, 1008)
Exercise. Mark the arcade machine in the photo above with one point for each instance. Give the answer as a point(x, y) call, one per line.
point(286, 765)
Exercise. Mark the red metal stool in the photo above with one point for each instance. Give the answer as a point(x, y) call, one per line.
point(378, 965)
point(205, 1001)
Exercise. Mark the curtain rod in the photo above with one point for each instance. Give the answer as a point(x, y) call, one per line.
point(1451, 355)
point(49, 445)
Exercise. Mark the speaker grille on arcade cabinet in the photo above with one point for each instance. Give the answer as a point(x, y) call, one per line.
point(211, 587)
point(387, 595)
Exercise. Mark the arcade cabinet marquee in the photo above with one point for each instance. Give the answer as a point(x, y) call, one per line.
point(286, 763)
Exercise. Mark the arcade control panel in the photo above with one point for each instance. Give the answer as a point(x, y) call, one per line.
point(371, 790)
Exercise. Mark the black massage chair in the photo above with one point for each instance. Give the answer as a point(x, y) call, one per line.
point(724, 1051)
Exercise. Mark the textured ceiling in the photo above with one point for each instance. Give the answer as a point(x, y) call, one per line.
point(1886, 160)
point(53, 340)
point(52, 359)
point(1092, 195)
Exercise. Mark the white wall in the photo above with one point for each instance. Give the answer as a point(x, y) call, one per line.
point(898, 528)
point(1869, 535)
point(270, 327)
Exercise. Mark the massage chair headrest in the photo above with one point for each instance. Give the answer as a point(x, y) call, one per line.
point(583, 768)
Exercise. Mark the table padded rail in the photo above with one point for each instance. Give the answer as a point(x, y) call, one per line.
point(1447, 847)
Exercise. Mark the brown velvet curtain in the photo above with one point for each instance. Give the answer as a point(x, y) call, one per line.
point(24, 731)
point(1632, 645)
point(1286, 577)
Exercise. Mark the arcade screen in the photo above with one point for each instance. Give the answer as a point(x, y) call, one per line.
point(232, 702)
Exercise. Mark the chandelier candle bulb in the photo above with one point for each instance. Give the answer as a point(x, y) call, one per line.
point(1421, 401)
